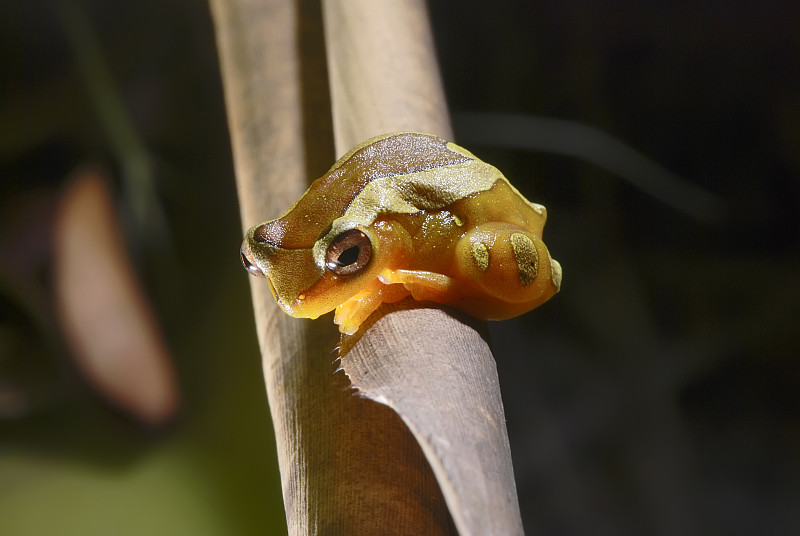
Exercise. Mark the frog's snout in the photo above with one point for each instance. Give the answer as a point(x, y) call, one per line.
point(247, 261)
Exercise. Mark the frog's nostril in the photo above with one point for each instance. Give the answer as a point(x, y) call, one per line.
point(247, 262)
point(260, 234)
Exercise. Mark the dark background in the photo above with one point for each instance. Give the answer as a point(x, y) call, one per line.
point(656, 394)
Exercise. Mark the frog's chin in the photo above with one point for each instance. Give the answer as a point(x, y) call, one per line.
point(289, 308)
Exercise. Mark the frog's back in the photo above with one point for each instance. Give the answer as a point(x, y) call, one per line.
point(502, 203)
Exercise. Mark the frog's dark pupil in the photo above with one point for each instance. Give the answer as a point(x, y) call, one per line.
point(348, 256)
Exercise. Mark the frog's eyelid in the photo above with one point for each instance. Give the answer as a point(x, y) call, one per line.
point(325, 232)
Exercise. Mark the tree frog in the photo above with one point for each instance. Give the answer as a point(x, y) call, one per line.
point(406, 214)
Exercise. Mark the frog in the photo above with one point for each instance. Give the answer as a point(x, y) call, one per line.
point(402, 215)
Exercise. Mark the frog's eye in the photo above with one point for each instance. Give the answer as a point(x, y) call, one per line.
point(247, 261)
point(349, 253)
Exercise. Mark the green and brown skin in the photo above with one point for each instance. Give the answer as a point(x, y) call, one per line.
point(406, 214)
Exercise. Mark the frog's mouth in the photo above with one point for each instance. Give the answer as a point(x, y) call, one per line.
point(250, 265)
point(248, 259)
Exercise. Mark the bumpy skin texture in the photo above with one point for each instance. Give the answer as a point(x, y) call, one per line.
point(438, 224)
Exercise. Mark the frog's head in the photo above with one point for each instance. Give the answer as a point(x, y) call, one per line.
point(309, 279)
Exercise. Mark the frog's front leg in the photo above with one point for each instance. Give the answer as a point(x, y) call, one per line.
point(392, 286)
point(425, 286)
point(352, 313)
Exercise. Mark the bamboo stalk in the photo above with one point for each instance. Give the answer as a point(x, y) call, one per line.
point(433, 368)
point(383, 71)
